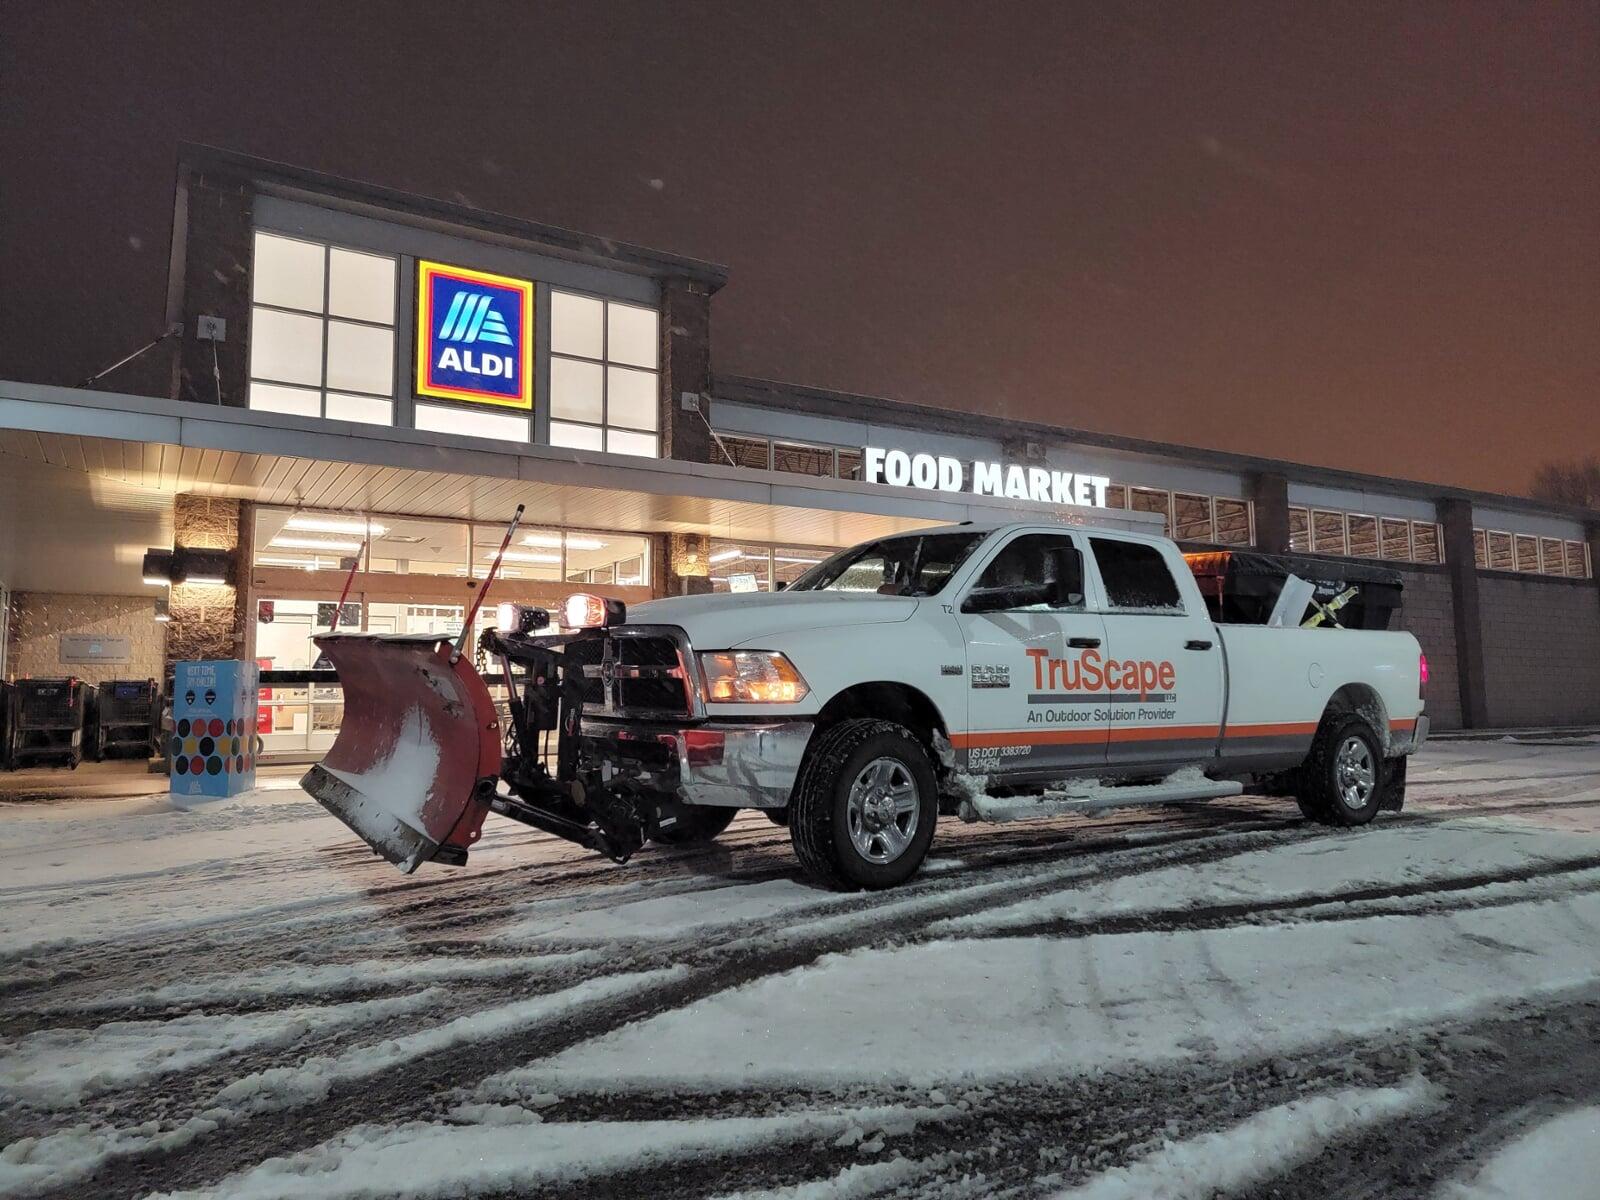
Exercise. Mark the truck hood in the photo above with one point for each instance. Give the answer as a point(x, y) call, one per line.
point(718, 622)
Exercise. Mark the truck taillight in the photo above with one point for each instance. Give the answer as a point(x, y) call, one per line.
point(1422, 676)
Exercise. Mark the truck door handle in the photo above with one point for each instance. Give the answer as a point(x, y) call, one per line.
point(1197, 644)
point(1083, 643)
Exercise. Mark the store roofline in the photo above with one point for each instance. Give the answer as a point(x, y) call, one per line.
point(301, 183)
point(852, 406)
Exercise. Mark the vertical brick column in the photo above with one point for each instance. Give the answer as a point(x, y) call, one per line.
point(216, 283)
point(1456, 518)
point(207, 619)
point(685, 369)
point(1592, 533)
point(688, 564)
point(1270, 495)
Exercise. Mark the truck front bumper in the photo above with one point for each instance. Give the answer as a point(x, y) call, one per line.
point(729, 764)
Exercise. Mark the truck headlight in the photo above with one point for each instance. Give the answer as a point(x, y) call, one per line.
point(751, 677)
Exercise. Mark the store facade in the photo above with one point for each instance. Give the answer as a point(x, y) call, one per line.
point(368, 383)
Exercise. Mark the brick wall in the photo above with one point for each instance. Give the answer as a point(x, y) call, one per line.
point(38, 619)
point(1427, 612)
point(208, 621)
point(1541, 649)
point(216, 282)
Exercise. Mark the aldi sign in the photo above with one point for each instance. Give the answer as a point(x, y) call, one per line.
point(474, 336)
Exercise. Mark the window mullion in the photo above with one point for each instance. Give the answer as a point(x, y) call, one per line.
point(327, 299)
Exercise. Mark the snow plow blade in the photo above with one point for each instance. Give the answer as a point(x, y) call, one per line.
point(417, 758)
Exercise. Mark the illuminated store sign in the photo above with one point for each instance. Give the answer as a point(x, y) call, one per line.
point(474, 336)
point(941, 473)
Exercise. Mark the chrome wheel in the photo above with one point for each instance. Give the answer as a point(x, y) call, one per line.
point(883, 810)
point(1354, 773)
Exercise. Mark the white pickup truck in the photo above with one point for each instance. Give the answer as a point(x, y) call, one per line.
point(955, 669)
point(992, 672)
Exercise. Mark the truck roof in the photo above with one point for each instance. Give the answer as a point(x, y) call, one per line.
point(1093, 520)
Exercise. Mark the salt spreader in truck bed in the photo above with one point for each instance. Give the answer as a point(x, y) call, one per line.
point(988, 671)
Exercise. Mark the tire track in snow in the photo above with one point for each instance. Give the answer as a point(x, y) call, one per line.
point(412, 1089)
point(1324, 906)
point(1527, 1062)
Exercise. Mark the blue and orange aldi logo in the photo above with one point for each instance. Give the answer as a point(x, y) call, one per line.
point(474, 336)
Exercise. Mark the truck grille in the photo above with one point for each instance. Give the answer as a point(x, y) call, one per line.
point(634, 673)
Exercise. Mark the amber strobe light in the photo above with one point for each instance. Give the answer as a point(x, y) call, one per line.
point(586, 611)
point(751, 677)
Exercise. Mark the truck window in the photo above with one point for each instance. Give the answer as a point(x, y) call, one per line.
point(910, 565)
point(1033, 559)
point(1136, 577)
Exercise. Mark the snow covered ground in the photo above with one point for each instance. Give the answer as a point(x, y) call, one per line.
point(1219, 999)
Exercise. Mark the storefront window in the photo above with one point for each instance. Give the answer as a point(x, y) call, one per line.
point(740, 567)
point(1152, 501)
point(1192, 518)
point(1299, 529)
point(417, 546)
point(604, 375)
point(607, 558)
point(471, 422)
point(1527, 553)
point(791, 562)
point(800, 459)
point(1425, 542)
point(1327, 532)
point(1363, 536)
point(1233, 522)
point(1396, 538)
point(307, 541)
point(297, 717)
point(321, 330)
point(758, 566)
point(1575, 560)
point(1501, 555)
point(533, 554)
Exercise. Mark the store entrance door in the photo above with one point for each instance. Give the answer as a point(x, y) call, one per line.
point(296, 719)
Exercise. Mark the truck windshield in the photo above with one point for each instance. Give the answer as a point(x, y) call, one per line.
point(910, 565)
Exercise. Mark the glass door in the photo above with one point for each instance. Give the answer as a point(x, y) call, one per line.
point(283, 643)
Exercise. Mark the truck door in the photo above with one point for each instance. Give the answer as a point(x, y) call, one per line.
point(1025, 621)
point(1162, 665)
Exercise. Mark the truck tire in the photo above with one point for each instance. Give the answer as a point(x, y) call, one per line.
point(1342, 780)
point(695, 825)
point(864, 806)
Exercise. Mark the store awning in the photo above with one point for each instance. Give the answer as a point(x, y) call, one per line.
point(168, 447)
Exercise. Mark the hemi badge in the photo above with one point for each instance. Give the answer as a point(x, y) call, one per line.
point(950, 669)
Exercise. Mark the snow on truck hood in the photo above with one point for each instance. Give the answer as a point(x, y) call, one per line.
point(717, 622)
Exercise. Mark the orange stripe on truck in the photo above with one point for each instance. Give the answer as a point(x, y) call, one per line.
point(1139, 733)
point(1273, 729)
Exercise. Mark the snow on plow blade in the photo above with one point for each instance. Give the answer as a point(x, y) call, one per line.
point(418, 753)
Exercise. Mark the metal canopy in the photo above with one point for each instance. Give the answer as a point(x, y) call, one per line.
point(146, 445)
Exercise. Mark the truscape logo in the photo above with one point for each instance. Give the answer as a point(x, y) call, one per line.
point(1093, 677)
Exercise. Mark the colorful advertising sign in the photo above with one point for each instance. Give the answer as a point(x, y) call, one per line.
point(474, 336)
point(215, 709)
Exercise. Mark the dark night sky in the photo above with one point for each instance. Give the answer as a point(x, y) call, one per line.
point(1363, 236)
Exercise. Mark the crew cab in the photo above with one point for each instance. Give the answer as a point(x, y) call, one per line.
point(988, 671)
